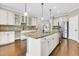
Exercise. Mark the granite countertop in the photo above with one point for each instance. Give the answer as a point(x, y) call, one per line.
point(10, 28)
point(37, 34)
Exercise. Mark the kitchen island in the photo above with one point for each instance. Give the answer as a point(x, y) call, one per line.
point(41, 44)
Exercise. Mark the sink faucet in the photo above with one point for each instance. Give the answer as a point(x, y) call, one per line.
point(43, 29)
point(46, 28)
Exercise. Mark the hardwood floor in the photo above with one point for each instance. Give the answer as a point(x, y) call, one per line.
point(66, 48)
point(15, 49)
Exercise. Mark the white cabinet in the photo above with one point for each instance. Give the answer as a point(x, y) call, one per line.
point(55, 22)
point(3, 17)
point(18, 19)
point(28, 21)
point(73, 28)
point(11, 18)
point(11, 36)
point(49, 43)
point(24, 19)
point(7, 37)
point(56, 37)
point(33, 21)
point(3, 38)
point(44, 47)
point(7, 17)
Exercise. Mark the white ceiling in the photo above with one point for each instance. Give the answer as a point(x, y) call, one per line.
point(35, 8)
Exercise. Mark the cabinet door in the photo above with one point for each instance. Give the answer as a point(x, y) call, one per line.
point(44, 47)
point(18, 19)
point(33, 21)
point(55, 22)
point(11, 36)
point(5, 38)
point(29, 21)
point(11, 18)
point(3, 17)
point(52, 43)
point(49, 44)
point(56, 38)
point(0, 37)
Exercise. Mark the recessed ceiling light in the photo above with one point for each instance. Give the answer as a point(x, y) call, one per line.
point(54, 7)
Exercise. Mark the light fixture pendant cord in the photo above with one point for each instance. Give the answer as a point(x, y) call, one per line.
point(25, 7)
point(50, 12)
point(42, 8)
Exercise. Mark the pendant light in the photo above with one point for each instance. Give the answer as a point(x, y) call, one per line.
point(42, 18)
point(25, 13)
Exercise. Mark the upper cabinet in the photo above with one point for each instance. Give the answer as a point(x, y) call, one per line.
point(9, 18)
point(56, 22)
point(24, 19)
point(18, 19)
point(3, 17)
point(34, 21)
point(31, 21)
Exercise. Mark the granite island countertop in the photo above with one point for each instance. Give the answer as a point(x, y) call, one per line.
point(38, 35)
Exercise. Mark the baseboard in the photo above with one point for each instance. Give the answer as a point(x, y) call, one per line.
point(11, 42)
point(7, 44)
point(74, 40)
point(24, 40)
point(64, 38)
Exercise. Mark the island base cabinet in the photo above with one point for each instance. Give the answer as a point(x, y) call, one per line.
point(42, 46)
point(49, 43)
point(56, 39)
point(33, 47)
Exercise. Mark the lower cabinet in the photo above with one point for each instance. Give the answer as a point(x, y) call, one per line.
point(49, 43)
point(11, 36)
point(42, 46)
point(3, 38)
point(7, 37)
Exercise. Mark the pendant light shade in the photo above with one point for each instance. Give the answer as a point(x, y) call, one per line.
point(25, 13)
point(42, 18)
